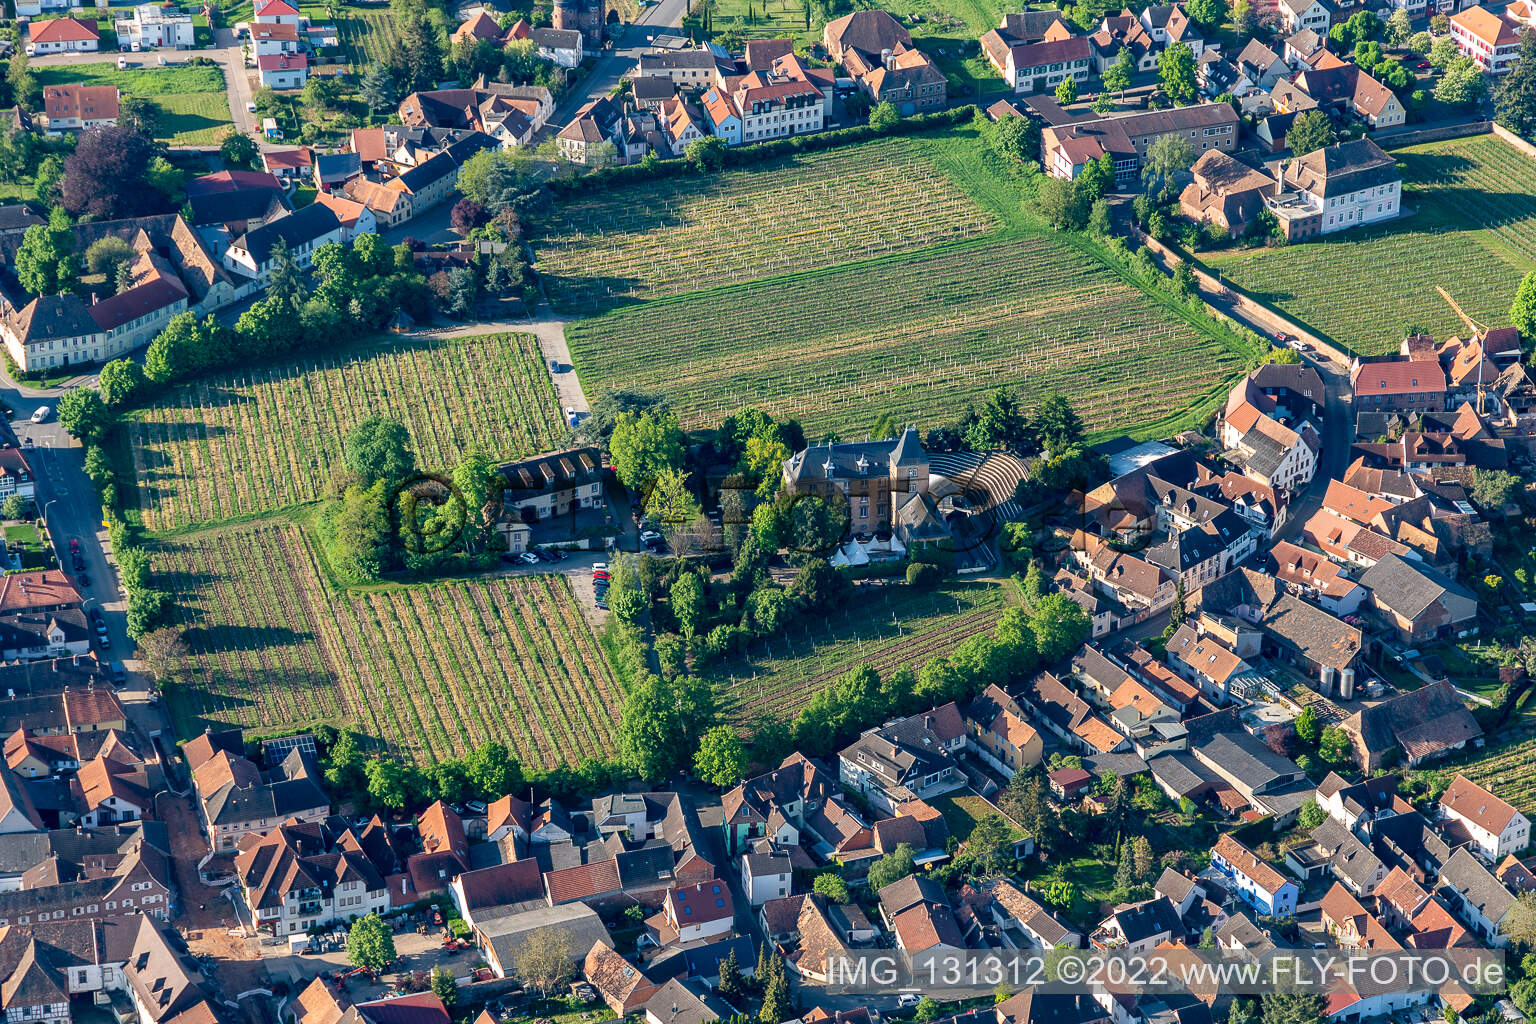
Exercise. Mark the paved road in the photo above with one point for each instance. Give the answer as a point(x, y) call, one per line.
point(611, 66)
point(67, 500)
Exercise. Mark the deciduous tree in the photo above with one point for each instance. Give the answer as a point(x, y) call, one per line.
point(377, 450)
point(371, 944)
point(1310, 132)
point(544, 961)
point(108, 175)
point(1514, 101)
point(721, 759)
point(1176, 70)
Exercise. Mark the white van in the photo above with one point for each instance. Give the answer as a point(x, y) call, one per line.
point(41, 414)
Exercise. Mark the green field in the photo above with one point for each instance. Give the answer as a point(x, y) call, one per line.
point(933, 333)
point(193, 101)
point(267, 438)
point(864, 292)
point(1473, 232)
point(423, 672)
point(892, 627)
point(365, 35)
point(684, 234)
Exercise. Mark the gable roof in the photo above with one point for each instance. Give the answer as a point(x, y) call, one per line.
point(1471, 801)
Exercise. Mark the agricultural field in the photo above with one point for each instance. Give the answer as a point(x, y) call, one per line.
point(931, 333)
point(209, 451)
point(1473, 232)
point(365, 35)
point(897, 626)
point(192, 100)
point(683, 234)
point(1508, 771)
point(424, 672)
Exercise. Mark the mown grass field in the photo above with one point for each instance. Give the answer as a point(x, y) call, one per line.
point(192, 100)
point(262, 439)
point(1473, 232)
point(424, 672)
point(891, 627)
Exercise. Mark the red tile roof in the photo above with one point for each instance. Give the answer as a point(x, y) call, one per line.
point(23, 590)
point(582, 881)
point(282, 62)
point(1399, 377)
point(64, 30)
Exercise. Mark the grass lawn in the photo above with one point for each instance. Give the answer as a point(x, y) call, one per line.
point(1472, 231)
point(192, 100)
point(35, 555)
point(961, 811)
point(195, 118)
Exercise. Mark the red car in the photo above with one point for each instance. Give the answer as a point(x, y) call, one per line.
point(74, 543)
point(1422, 65)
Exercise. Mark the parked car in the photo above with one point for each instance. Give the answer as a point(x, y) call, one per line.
point(647, 536)
point(529, 558)
point(74, 543)
point(84, 579)
point(41, 415)
point(26, 442)
point(908, 999)
point(79, 563)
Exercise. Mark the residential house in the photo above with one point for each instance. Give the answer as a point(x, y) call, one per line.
point(878, 53)
point(1491, 40)
point(292, 880)
point(1138, 927)
point(1477, 895)
point(1412, 727)
point(299, 234)
point(817, 938)
point(1497, 829)
point(1066, 149)
point(44, 966)
point(1361, 805)
point(683, 122)
point(1023, 29)
point(685, 1002)
point(152, 26)
point(1026, 923)
point(166, 984)
point(562, 46)
point(690, 913)
point(276, 12)
point(478, 28)
point(600, 124)
point(696, 68)
point(1001, 735)
point(119, 871)
point(1407, 384)
point(1346, 185)
point(1346, 89)
point(1417, 602)
point(1124, 32)
point(236, 798)
point(271, 39)
point(1261, 65)
point(1259, 884)
point(1168, 25)
point(62, 35)
point(283, 70)
point(1316, 577)
point(1041, 67)
point(766, 876)
point(1351, 925)
point(918, 916)
point(788, 98)
point(1224, 192)
point(545, 486)
point(355, 218)
point(75, 108)
point(485, 893)
point(1304, 15)
point(1263, 779)
point(1208, 661)
point(776, 804)
point(907, 759)
point(1352, 862)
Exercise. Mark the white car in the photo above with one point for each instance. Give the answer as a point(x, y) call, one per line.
point(529, 558)
point(908, 999)
point(250, 107)
point(41, 414)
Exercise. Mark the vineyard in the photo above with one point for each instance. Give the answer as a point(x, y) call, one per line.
point(897, 627)
point(1473, 231)
point(272, 437)
point(683, 234)
point(917, 337)
point(1509, 772)
point(366, 35)
point(426, 672)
